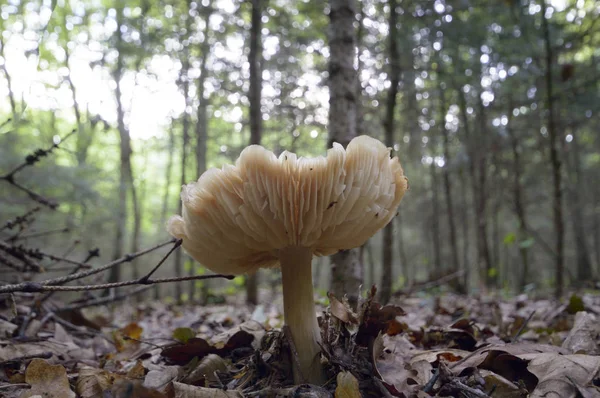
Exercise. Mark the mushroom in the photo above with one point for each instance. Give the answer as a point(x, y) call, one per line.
point(268, 211)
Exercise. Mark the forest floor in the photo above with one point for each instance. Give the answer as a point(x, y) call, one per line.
point(445, 345)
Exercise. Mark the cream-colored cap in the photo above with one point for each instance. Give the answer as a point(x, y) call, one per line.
point(237, 218)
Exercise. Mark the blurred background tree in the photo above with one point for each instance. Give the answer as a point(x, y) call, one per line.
point(491, 106)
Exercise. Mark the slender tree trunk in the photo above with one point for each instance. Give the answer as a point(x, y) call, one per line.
point(575, 191)
point(448, 185)
point(254, 96)
point(477, 163)
point(184, 83)
point(202, 121)
point(519, 203)
point(402, 249)
point(596, 196)
point(125, 153)
point(347, 270)
point(555, 161)
point(387, 274)
point(465, 229)
point(435, 221)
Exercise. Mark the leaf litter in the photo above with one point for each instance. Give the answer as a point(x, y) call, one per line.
point(420, 346)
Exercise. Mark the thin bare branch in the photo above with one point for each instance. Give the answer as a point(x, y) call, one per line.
point(25, 286)
point(34, 287)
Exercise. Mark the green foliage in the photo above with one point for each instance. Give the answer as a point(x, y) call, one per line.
point(183, 334)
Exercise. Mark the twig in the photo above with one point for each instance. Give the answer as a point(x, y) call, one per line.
point(33, 287)
point(20, 219)
point(18, 253)
point(103, 300)
point(43, 355)
point(429, 386)
point(17, 385)
point(23, 287)
point(472, 391)
point(35, 157)
point(30, 160)
point(175, 246)
point(38, 234)
point(516, 336)
point(91, 254)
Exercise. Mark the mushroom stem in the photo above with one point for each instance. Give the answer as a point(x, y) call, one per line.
point(299, 313)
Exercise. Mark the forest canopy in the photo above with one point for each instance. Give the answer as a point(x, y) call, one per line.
point(496, 123)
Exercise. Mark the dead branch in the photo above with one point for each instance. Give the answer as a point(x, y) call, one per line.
point(30, 160)
point(103, 300)
point(35, 287)
point(23, 287)
point(19, 220)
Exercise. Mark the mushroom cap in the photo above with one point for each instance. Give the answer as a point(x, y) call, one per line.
point(237, 218)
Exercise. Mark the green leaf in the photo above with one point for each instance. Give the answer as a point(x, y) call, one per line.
point(527, 243)
point(183, 334)
point(510, 238)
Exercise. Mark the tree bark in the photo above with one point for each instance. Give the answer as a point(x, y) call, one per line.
point(254, 97)
point(202, 120)
point(125, 172)
point(555, 161)
point(476, 162)
point(575, 191)
point(435, 221)
point(448, 184)
point(347, 270)
point(519, 203)
point(387, 275)
point(184, 83)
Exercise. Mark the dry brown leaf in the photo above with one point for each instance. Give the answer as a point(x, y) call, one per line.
point(49, 381)
point(583, 337)
point(92, 382)
point(137, 371)
point(158, 379)
point(186, 391)
point(501, 386)
point(206, 369)
point(557, 373)
point(340, 310)
point(347, 386)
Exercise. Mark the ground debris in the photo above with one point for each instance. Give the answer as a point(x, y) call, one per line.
point(417, 347)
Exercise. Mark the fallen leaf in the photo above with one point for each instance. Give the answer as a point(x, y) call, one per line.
point(206, 369)
point(92, 382)
point(48, 381)
point(158, 379)
point(583, 337)
point(340, 310)
point(347, 386)
point(186, 391)
point(557, 373)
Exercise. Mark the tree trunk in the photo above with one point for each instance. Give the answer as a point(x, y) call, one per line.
point(184, 83)
point(387, 274)
point(202, 121)
point(254, 97)
point(476, 162)
point(125, 173)
point(519, 203)
point(347, 271)
point(555, 160)
point(575, 191)
point(435, 222)
point(448, 185)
